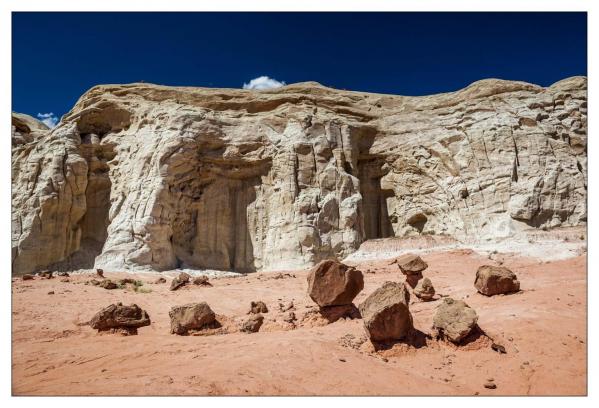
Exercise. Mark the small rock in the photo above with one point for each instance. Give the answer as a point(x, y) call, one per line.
point(289, 318)
point(201, 280)
point(498, 348)
point(192, 316)
point(27, 277)
point(108, 284)
point(342, 360)
point(100, 273)
point(424, 290)
point(66, 274)
point(490, 385)
point(252, 324)
point(258, 307)
point(65, 280)
point(45, 274)
point(494, 280)
point(51, 292)
point(160, 280)
point(454, 319)
point(180, 280)
point(286, 307)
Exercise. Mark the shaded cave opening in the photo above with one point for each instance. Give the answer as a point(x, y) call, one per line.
point(377, 223)
point(215, 231)
point(94, 223)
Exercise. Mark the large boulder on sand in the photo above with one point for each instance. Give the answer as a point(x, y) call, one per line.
point(454, 319)
point(424, 290)
point(411, 264)
point(493, 280)
point(331, 283)
point(386, 312)
point(192, 316)
point(117, 316)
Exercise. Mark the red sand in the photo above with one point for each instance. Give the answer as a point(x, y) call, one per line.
point(543, 329)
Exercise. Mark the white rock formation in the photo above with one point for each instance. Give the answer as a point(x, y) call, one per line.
point(143, 176)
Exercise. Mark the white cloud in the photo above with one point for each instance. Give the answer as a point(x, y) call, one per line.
point(263, 82)
point(49, 119)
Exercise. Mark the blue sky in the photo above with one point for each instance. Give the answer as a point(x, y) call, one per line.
point(58, 56)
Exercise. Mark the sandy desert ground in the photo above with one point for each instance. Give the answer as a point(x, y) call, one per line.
point(543, 329)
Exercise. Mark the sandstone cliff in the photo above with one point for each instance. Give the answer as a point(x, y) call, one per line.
point(146, 176)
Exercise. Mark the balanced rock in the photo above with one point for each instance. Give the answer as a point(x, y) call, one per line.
point(386, 313)
point(411, 264)
point(332, 283)
point(117, 316)
point(258, 307)
point(252, 324)
point(493, 280)
point(454, 319)
point(424, 290)
point(192, 316)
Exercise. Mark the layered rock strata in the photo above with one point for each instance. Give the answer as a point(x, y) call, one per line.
point(142, 176)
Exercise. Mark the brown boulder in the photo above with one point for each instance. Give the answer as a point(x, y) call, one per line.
point(331, 283)
point(252, 324)
point(454, 319)
point(192, 316)
point(493, 280)
point(258, 307)
point(386, 312)
point(411, 264)
point(27, 277)
point(117, 316)
point(425, 290)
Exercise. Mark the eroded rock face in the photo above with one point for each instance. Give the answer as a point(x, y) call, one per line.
point(494, 280)
point(142, 176)
point(386, 313)
point(332, 283)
